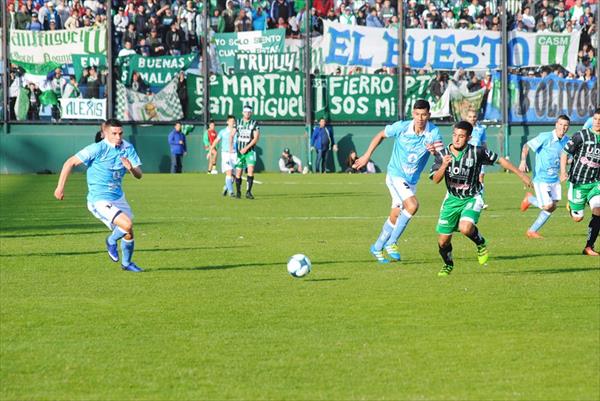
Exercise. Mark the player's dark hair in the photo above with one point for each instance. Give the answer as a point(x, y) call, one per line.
point(564, 117)
point(464, 125)
point(229, 117)
point(597, 111)
point(113, 122)
point(421, 104)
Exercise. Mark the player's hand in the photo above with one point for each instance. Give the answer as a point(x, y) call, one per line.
point(335, 148)
point(446, 160)
point(59, 194)
point(523, 167)
point(126, 163)
point(360, 162)
point(563, 176)
point(243, 151)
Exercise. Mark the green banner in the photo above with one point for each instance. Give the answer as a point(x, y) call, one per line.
point(83, 61)
point(155, 71)
point(229, 44)
point(365, 97)
point(273, 96)
point(268, 62)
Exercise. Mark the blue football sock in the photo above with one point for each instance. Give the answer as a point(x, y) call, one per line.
point(127, 248)
point(116, 235)
point(229, 184)
point(386, 231)
point(533, 200)
point(540, 221)
point(401, 224)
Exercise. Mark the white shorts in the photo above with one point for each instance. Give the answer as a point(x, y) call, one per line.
point(400, 190)
point(547, 193)
point(228, 161)
point(106, 211)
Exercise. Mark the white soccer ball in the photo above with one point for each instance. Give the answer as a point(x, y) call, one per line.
point(299, 265)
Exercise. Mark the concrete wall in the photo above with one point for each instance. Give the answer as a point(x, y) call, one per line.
point(38, 148)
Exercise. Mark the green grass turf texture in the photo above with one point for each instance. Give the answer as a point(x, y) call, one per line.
point(216, 316)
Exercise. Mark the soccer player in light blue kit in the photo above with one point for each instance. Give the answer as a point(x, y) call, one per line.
point(107, 162)
point(478, 138)
point(414, 141)
point(228, 153)
point(548, 147)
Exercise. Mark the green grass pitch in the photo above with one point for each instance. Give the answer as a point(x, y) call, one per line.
point(216, 316)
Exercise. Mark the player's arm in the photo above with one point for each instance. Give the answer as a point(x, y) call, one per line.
point(364, 159)
point(511, 167)
point(570, 149)
point(213, 146)
point(524, 153)
point(252, 142)
point(67, 167)
point(563, 166)
point(135, 171)
point(438, 175)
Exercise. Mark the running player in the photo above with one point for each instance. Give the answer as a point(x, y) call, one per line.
point(248, 134)
point(414, 140)
point(548, 147)
point(460, 165)
point(108, 161)
point(478, 138)
point(584, 178)
point(228, 156)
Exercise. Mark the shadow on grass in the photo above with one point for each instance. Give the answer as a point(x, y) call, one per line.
point(103, 251)
point(531, 255)
point(327, 279)
point(316, 195)
point(549, 271)
point(237, 265)
point(62, 234)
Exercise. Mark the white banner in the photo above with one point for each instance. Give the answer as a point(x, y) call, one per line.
point(445, 49)
point(56, 46)
point(83, 109)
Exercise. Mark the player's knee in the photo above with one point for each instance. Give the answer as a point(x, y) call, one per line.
point(577, 215)
point(465, 227)
point(550, 208)
point(411, 205)
point(129, 235)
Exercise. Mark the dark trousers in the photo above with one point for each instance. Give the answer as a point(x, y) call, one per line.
point(176, 163)
point(321, 163)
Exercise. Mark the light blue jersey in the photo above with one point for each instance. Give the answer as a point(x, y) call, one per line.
point(411, 151)
point(224, 138)
point(547, 148)
point(588, 123)
point(105, 169)
point(478, 137)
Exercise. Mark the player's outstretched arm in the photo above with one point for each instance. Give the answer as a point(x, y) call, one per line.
point(135, 171)
point(511, 167)
point(523, 164)
point(59, 192)
point(364, 159)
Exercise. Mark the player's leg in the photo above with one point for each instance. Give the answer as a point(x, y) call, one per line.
point(386, 231)
point(213, 160)
point(239, 168)
point(469, 216)
point(409, 207)
point(547, 196)
point(445, 250)
point(251, 160)
point(594, 225)
point(576, 201)
point(127, 242)
point(106, 211)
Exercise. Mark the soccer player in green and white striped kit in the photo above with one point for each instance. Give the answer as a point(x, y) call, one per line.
point(247, 136)
point(460, 165)
point(584, 178)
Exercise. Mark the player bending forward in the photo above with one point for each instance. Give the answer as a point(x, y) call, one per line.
point(584, 178)
point(107, 162)
point(460, 165)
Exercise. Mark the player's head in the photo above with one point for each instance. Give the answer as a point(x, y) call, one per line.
point(420, 114)
point(596, 120)
point(461, 134)
point(562, 125)
point(247, 111)
point(230, 121)
point(322, 122)
point(114, 131)
point(211, 124)
point(471, 117)
point(178, 126)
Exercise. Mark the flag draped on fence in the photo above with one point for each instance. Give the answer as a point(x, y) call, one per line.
point(162, 106)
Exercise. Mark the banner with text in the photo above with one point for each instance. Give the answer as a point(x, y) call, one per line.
point(229, 44)
point(273, 96)
point(162, 106)
point(83, 109)
point(371, 97)
point(83, 61)
point(39, 47)
point(542, 100)
point(154, 71)
point(445, 49)
point(268, 62)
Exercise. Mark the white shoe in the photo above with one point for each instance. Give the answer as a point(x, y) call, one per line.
point(485, 206)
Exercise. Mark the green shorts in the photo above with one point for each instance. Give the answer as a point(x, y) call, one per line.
point(580, 194)
point(246, 160)
point(455, 209)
